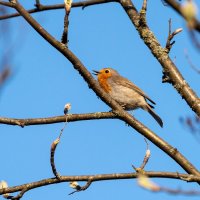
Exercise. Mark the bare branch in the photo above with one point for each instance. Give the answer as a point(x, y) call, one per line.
point(146, 157)
point(64, 38)
point(55, 143)
point(171, 35)
point(99, 177)
point(144, 6)
point(38, 5)
point(37, 2)
point(68, 5)
point(53, 166)
point(86, 186)
point(20, 195)
point(58, 119)
point(140, 170)
point(4, 3)
point(142, 13)
point(42, 8)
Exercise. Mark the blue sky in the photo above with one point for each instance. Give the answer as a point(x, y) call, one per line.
point(43, 81)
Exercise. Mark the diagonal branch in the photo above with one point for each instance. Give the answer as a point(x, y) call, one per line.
point(4, 3)
point(120, 112)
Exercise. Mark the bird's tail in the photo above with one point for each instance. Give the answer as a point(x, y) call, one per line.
point(154, 115)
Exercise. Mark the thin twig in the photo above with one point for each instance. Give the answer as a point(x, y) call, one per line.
point(37, 2)
point(86, 186)
point(171, 35)
point(53, 149)
point(64, 38)
point(144, 5)
point(68, 5)
point(143, 13)
point(52, 160)
point(38, 5)
point(19, 196)
point(140, 170)
point(146, 157)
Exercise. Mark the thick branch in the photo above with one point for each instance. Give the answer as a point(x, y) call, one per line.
point(41, 7)
point(57, 119)
point(122, 114)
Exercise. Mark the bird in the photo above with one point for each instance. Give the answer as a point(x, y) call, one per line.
point(124, 92)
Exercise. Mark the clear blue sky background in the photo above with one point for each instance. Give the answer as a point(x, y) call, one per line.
point(43, 81)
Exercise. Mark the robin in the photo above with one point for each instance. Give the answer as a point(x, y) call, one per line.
point(127, 94)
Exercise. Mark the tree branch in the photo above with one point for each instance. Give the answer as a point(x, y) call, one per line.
point(52, 160)
point(58, 119)
point(42, 8)
point(171, 35)
point(82, 188)
point(4, 3)
point(92, 83)
point(99, 177)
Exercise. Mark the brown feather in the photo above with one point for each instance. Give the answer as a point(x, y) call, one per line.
point(125, 82)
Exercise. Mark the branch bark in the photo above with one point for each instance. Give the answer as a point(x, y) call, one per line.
point(99, 177)
point(42, 8)
point(4, 3)
point(58, 119)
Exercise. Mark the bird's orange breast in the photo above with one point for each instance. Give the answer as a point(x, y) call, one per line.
point(104, 83)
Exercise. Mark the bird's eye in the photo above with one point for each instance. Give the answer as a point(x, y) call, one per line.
point(107, 71)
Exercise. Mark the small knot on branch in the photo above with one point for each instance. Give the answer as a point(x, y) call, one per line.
point(166, 78)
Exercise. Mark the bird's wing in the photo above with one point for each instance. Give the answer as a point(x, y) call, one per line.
point(125, 82)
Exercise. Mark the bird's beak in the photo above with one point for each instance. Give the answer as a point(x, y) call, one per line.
point(95, 72)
